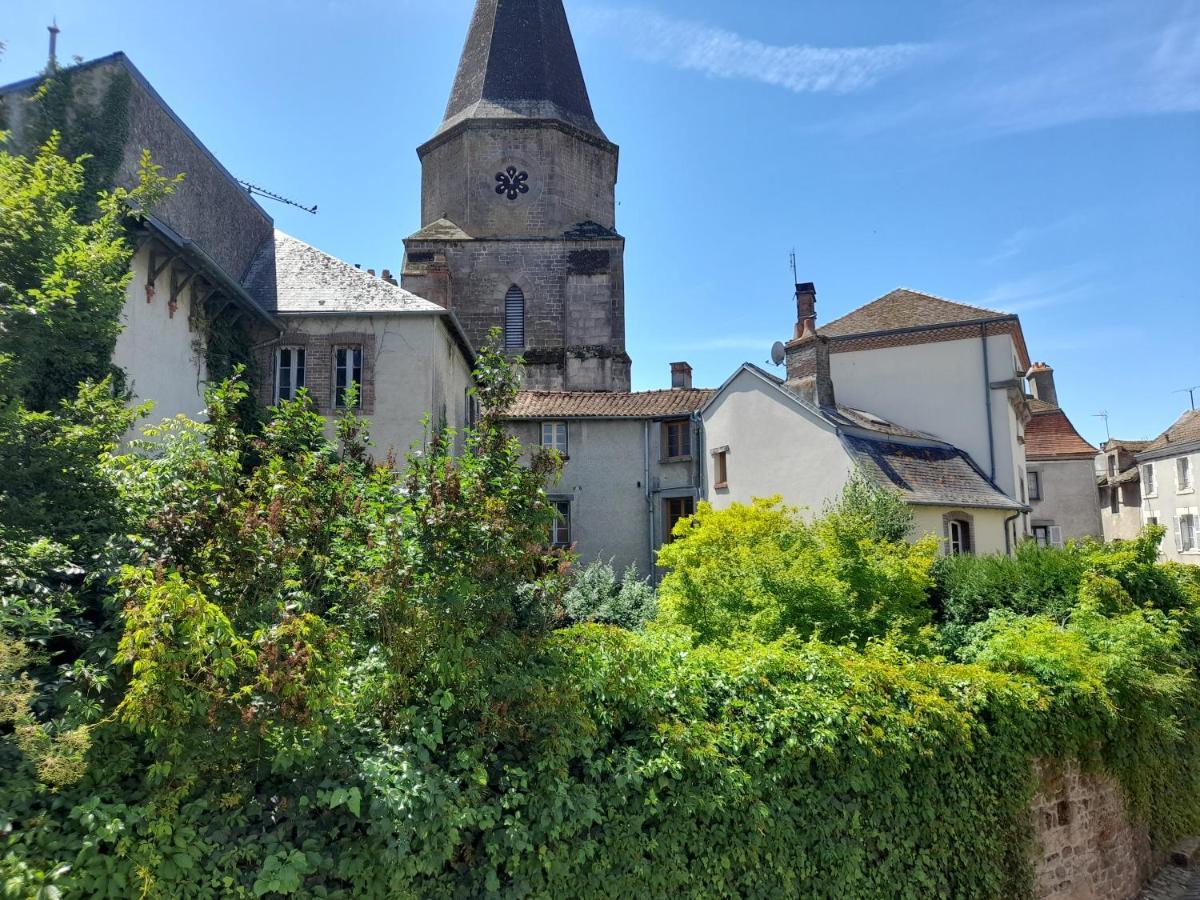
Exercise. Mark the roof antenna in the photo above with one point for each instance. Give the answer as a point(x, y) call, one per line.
point(795, 277)
point(54, 30)
point(1103, 414)
point(255, 190)
point(1191, 392)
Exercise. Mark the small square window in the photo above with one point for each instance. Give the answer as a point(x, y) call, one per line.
point(289, 373)
point(677, 439)
point(721, 468)
point(347, 370)
point(554, 437)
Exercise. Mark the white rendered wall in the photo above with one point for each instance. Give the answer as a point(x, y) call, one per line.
point(156, 350)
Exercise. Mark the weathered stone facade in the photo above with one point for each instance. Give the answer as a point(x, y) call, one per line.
point(519, 190)
point(1089, 847)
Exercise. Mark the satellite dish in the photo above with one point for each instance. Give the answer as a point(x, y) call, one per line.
point(778, 354)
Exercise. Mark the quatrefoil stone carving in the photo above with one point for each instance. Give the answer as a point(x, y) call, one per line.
point(512, 183)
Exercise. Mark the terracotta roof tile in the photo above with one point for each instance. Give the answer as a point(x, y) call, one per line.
point(904, 308)
point(604, 405)
point(1186, 430)
point(1050, 435)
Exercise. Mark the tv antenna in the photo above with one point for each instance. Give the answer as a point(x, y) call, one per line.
point(1103, 414)
point(795, 277)
point(255, 190)
point(1191, 392)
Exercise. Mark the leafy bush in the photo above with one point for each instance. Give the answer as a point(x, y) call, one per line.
point(597, 595)
point(762, 571)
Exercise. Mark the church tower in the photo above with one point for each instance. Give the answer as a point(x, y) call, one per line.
point(518, 206)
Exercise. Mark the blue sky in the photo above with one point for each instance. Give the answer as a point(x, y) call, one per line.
point(1041, 158)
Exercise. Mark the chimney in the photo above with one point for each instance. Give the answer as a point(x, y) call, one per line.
point(370, 271)
point(681, 376)
point(1041, 380)
point(388, 277)
point(806, 308)
point(807, 354)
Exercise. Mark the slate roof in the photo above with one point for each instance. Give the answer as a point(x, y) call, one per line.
point(903, 309)
point(519, 61)
point(1050, 435)
point(939, 475)
point(1178, 438)
point(289, 276)
point(607, 405)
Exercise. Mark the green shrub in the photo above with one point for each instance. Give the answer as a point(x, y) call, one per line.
point(762, 571)
point(596, 595)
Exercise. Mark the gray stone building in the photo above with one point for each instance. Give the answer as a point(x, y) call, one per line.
point(1119, 482)
point(633, 465)
point(1061, 475)
point(518, 209)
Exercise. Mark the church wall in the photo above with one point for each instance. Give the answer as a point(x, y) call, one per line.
point(570, 179)
point(158, 351)
point(574, 309)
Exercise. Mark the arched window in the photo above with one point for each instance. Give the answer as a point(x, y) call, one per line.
point(514, 319)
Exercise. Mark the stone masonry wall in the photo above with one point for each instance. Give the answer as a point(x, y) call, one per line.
point(1089, 848)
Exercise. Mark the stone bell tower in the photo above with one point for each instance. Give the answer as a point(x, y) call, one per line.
point(518, 209)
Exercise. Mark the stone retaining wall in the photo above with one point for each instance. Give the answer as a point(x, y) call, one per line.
point(1090, 849)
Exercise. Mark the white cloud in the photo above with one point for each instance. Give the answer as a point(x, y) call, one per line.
point(721, 53)
point(1039, 291)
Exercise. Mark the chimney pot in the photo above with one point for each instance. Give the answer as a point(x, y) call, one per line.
point(388, 277)
point(681, 376)
point(370, 271)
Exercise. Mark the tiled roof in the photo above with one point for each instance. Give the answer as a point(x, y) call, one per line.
point(1050, 435)
point(904, 308)
point(602, 405)
point(1185, 431)
point(1129, 476)
point(927, 476)
point(1130, 446)
point(289, 276)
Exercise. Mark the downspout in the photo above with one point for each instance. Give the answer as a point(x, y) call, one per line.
point(987, 403)
point(701, 469)
point(653, 573)
point(1008, 544)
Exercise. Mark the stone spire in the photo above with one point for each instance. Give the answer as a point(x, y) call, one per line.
point(519, 62)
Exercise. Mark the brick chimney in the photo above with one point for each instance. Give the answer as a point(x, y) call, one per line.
point(806, 307)
point(1041, 382)
point(807, 353)
point(681, 376)
point(388, 277)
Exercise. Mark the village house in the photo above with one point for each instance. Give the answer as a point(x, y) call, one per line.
point(215, 284)
point(1119, 485)
point(1168, 487)
point(864, 394)
point(633, 465)
point(1061, 477)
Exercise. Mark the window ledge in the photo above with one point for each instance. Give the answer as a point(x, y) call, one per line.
point(1186, 490)
point(721, 486)
point(675, 459)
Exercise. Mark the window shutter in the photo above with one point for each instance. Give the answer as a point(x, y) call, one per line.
point(1178, 535)
point(514, 318)
point(1056, 536)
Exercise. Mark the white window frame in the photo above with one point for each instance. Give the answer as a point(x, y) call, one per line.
point(1149, 482)
point(556, 436)
point(352, 365)
point(1185, 479)
point(1038, 532)
point(1187, 520)
point(958, 538)
point(296, 369)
